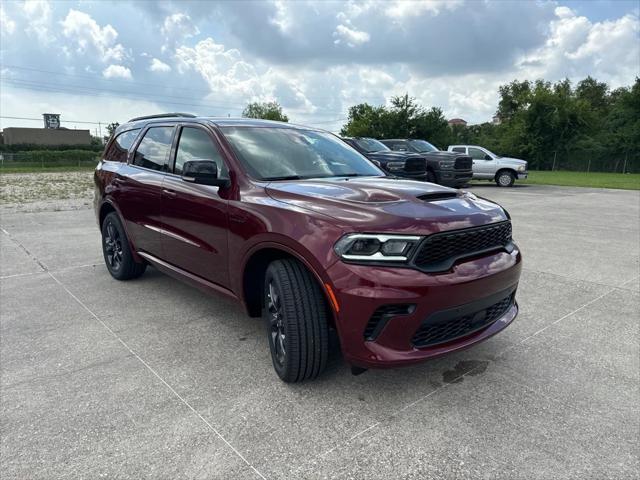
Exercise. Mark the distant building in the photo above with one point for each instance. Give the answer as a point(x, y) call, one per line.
point(496, 120)
point(457, 121)
point(45, 136)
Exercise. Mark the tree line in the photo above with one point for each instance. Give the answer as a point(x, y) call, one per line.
point(553, 126)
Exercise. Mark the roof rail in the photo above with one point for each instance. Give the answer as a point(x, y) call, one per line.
point(163, 115)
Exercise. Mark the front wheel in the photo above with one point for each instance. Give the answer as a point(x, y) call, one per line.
point(505, 179)
point(431, 177)
point(295, 313)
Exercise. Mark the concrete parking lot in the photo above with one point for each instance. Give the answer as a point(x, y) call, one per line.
point(153, 379)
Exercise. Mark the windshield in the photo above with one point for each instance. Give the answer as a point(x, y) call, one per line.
point(371, 145)
point(275, 153)
point(422, 146)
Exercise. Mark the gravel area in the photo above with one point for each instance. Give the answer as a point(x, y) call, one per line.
point(41, 191)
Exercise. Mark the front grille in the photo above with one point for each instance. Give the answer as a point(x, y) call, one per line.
point(415, 165)
point(432, 333)
point(463, 163)
point(382, 315)
point(439, 251)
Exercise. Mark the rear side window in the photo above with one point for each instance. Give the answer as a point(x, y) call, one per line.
point(119, 148)
point(196, 145)
point(153, 151)
point(458, 149)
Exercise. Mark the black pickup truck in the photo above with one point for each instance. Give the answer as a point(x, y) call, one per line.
point(446, 168)
point(400, 164)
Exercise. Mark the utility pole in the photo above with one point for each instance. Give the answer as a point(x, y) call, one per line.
point(624, 165)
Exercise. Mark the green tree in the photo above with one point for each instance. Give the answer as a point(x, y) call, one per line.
point(265, 111)
point(111, 128)
point(363, 120)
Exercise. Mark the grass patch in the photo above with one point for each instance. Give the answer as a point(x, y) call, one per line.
point(39, 169)
point(626, 181)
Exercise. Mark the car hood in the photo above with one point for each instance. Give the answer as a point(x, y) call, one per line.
point(511, 161)
point(391, 156)
point(383, 204)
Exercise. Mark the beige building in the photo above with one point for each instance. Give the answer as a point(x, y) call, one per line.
point(457, 121)
point(45, 136)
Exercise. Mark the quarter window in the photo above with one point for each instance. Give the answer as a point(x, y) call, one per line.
point(196, 145)
point(153, 151)
point(476, 153)
point(119, 148)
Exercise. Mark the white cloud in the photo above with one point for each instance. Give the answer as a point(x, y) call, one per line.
point(176, 28)
point(576, 47)
point(401, 9)
point(159, 66)
point(89, 37)
point(116, 71)
point(350, 36)
point(7, 26)
point(229, 75)
point(38, 13)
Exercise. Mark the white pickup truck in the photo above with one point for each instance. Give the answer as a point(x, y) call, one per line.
point(489, 166)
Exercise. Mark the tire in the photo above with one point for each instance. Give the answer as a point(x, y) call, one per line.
point(295, 314)
point(505, 178)
point(431, 177)
point(117, 251)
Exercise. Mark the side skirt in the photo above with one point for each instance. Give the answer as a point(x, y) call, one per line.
point(186, 277)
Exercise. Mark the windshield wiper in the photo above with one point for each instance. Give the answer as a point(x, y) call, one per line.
point(284, 177)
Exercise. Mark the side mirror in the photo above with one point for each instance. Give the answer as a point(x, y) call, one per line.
point(202, 172)
point(488, 157)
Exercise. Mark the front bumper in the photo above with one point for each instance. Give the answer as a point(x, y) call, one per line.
point(361, 290)
point(454, 177)
point(523, 175)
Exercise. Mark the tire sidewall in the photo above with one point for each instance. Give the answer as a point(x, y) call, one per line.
point(114, 220)
point(272, 276)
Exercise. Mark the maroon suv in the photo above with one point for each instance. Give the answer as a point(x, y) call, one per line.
point(307, 233)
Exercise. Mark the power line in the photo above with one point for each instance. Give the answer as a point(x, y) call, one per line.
point(98, 92)
point(40, 119)
point(112, 80)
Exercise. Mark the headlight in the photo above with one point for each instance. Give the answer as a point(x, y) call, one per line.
point(376, 247)
point(446, 165)
point(522, 168)
point(395, 165)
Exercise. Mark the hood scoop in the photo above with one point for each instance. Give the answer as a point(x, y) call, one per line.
point(434, 196)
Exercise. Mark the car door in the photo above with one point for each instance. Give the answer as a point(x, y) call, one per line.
point(195, 220)
point(482, 168)
point(140, 186)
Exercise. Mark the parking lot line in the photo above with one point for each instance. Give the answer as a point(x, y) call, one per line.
point(148, 367)
point(126, 346)
point(473, 370)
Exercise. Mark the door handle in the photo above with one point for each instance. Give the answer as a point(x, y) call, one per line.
point(169, 193)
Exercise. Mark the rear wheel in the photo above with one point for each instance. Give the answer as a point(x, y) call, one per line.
point(295, 314)
point(505, 178)
point(117, 251)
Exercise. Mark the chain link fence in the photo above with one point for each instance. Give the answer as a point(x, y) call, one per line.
point(44, 159)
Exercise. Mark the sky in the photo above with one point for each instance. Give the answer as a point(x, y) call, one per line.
point(108, 61)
